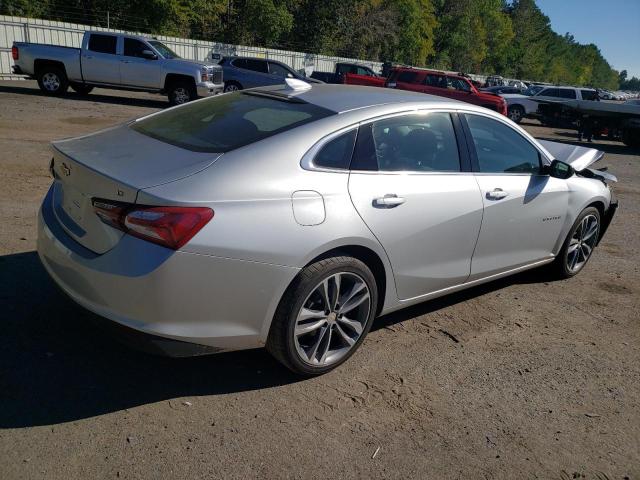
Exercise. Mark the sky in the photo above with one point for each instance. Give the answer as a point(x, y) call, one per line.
point(612, 25)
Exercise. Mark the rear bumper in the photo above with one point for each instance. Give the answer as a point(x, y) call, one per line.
point(208, 89)
point(218, 304)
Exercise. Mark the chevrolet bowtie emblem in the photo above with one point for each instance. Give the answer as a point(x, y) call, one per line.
point(66, 169)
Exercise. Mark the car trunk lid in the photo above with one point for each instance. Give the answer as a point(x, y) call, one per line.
point(113, 164)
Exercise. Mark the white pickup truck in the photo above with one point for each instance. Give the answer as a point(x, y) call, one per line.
point(520, 106)
point(120, 61)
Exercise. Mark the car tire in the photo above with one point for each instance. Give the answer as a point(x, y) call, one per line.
point(81, 88)
point(232, 87)
point(181, 92)
point(310, 337)
point(578, 247)
point(515, 113)
point(52, 80)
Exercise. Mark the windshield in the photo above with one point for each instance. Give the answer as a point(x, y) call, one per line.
point(532, 90)
point(163, 50)
point(226, 122)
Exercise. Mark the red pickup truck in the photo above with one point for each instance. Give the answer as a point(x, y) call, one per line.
point(435, 83)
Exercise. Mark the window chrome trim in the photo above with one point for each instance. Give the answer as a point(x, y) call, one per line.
point(307, 159)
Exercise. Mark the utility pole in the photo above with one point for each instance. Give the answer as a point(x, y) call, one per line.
point(107, 18)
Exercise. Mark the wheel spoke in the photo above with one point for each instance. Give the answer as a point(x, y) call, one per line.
point(327, 344)
point(573, 246)
point(586, 250)
point(303, 329)
point(355, 301)
point(352, 324)
point(324, 293)
point(308, 314)
point(337, 280)
point(350, 341)
point(591, 231)
point(314, 349)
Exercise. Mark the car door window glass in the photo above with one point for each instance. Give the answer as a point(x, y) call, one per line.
point(239, 63)
point(437, 81)
point(416, 143)
point(279, 70)
point(336, 154)
point(407, 77)
point(103, 43)
point(256, 65)
point(566, 93)
point(457, 84)
point(134, 48)
point(500, 149)
point(363, 71)
point(589, 94)
point(549, 92)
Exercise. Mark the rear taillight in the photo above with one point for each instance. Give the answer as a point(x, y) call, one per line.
point(15, 53)
point(171, 227)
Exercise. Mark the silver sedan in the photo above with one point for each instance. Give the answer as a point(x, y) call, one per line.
point(291, 216)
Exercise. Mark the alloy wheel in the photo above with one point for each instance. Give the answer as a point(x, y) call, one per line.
point(231, 88)
point(51, 82)
point(332, 319)
point(515, 114)
point(582, 242)
point(181, 95)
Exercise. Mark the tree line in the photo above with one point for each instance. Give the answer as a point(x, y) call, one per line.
point(509, 38)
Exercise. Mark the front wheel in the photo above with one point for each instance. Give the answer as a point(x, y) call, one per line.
point(324, 315)
point(181, 93)
point(52, 80)
point(579, 244)
point(232, 87)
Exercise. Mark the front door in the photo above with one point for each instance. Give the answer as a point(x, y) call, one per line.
point(100, 62)
point(407, 185)
point(135, 69)
point(524, 210)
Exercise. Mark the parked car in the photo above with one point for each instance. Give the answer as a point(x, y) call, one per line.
point(495, 81)
point(342, 68)
point(277, 217)
point(116, 60)
point(521, 106)
point(606, 95)
point(248, 72)
point(445, 85)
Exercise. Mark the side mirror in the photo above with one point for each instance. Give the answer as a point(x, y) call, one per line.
point(149, 55)
point(559, 169)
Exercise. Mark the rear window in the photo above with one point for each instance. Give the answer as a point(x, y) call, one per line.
point(230, 121)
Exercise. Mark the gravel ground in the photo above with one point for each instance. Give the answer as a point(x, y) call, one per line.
point(532, 379)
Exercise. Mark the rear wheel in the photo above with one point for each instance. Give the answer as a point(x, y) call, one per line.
point(52, 80)
point(181, 93)
point(579, 244)
point(324, 315)
point(516, 113)
point(81, 88)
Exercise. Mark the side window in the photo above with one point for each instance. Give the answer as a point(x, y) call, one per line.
point(437, 81)
point(239, 63)
point(549, 92)
point(501, 149)
point(458, 84)
point(103, 43)
point(256, 65)
point(407, 77)
point(416, 143)
point(279, 70)
point(566, 93)
point(589, 94)
point(337, 153)
point(363, 71)
point(342, 69)
point(134, 48)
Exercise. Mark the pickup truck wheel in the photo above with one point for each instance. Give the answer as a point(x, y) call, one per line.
point(232, 87)
point(181, 92)
point(81, 89)
point(515, 113)
point(52, 80)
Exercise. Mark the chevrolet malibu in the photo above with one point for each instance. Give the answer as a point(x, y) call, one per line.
point(291, 216)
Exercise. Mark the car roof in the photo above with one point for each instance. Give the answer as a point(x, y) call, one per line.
point(345, 98)
point(233, 57)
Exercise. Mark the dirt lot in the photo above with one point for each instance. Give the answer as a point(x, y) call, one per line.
point(544, 381)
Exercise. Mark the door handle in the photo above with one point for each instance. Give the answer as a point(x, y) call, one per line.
point(390, 200)
point(497, 194)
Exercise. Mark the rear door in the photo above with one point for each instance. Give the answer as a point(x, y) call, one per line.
point(135, 70)
point(410, 183)
point(100, 61)
point(408, 80)
point(524, 210)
